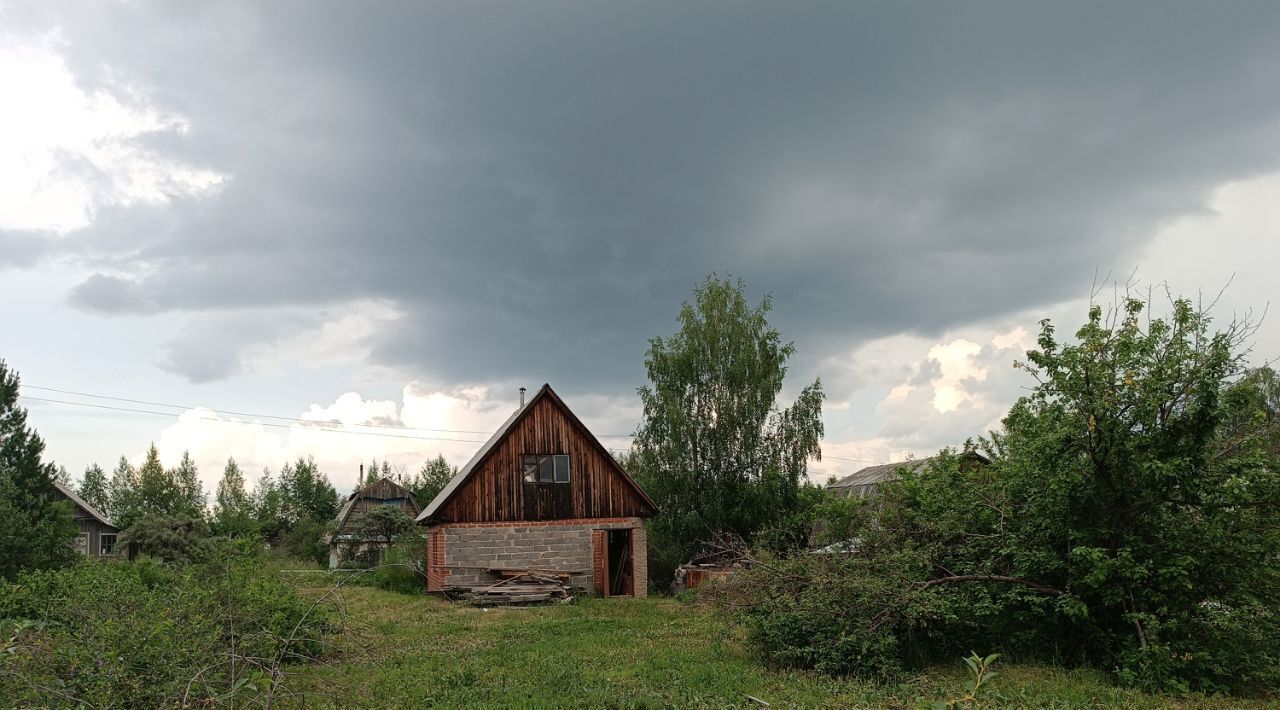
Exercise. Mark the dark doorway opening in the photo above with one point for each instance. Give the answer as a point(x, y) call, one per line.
point(621, 580)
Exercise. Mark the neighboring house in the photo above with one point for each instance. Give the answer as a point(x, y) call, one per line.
point(98, 535)
point(863, 483)
point(379, 493)
point(542, 494)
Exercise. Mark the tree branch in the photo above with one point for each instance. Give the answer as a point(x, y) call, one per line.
point(958, 578)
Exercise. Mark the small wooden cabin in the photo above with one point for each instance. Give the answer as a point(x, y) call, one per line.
point(379, 493)
point(98, 535)
point(541, 494)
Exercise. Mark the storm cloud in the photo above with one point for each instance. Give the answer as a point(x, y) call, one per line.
point(536, 187)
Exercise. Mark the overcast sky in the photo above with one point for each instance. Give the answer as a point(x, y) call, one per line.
point(398, 213)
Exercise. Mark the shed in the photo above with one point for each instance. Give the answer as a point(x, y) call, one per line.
point(379, 493)
point(541, 494)
point(98, 535)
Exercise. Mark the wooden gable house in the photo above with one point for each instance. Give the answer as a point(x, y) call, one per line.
point(345, 541)
point(98, 535)
point(541, 494)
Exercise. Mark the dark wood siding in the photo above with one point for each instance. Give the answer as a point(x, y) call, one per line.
point(383, 492)
point(496, 491)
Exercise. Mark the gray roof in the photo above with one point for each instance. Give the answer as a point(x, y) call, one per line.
point(863, 482)
point(465, 471)
point(68, 492)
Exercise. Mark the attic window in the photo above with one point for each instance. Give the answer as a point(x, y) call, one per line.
point(545, 468)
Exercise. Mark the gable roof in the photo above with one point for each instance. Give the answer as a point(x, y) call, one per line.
point(69, 493)
point(487, 448)
point(864, 480)
point(350, 503)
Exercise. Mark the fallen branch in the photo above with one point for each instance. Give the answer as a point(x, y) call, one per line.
point(958, 578)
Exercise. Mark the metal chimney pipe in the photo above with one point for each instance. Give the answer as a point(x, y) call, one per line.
point(521, 396)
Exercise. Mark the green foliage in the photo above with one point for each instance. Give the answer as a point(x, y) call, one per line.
point(714, 450)
point(433, 477)
point(306, 540)
point(233, 514)
point(978, 685)
point(374, 531)
point(297, 509)
point(190, 490)
point(94, 489)
point(306, 493)
point(145, 635)
point(175, 539)
point(269, 507)
point(122, 493)
point(402, 567)
point(383, 523)
point(36, 526)
point(151, 489)
point(1127, 521)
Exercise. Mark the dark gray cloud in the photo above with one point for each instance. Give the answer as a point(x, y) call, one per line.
point(537, 186)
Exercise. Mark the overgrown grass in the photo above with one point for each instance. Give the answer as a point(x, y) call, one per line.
point(407, 650)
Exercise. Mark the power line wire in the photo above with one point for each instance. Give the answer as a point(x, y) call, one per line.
point(272, 416)
point(311, 425)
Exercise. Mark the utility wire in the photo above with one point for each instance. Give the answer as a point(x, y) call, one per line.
point(312, 425)
point(316, 425)
point(272, 416)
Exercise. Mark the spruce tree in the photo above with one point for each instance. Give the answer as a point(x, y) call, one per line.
point(36, 524)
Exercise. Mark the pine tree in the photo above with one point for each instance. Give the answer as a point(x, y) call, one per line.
point(36, 525)
point(94, 489)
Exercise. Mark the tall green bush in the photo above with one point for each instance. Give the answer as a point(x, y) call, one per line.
point(1127, 520)
point(715, 450)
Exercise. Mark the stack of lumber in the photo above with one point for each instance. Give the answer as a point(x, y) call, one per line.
point(521, 587)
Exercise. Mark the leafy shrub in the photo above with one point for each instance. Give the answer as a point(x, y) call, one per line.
point(1126, 521)
point(148, 635)
point(169, 538)
point(401, 567)
point(306, 541)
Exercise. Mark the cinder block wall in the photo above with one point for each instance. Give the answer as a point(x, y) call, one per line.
point(460, 553)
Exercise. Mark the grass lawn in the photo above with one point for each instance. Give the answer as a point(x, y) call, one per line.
point(415, 651)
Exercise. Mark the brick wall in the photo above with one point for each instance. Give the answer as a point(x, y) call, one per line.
point(437, 573)
point(462, 552)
